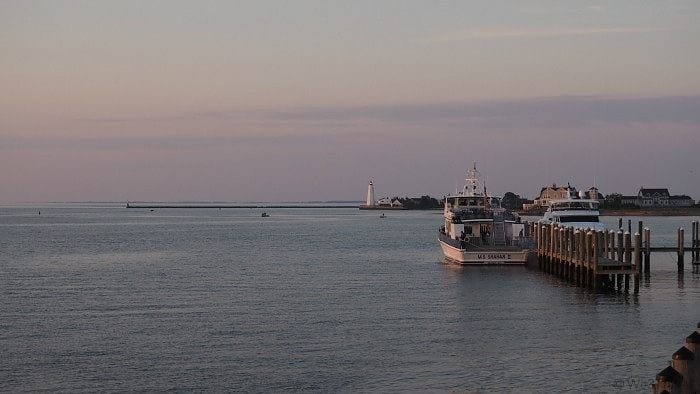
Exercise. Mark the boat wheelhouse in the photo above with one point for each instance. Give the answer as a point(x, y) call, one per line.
point(574, 212)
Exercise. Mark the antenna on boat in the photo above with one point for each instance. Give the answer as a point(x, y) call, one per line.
point(471, 187)
point(487, 204)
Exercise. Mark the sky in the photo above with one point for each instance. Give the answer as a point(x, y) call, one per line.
point(309, 100)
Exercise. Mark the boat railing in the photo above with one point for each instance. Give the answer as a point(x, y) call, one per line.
point(474, 241)
point(525, 242)
point(467, 214)
point(574, 205)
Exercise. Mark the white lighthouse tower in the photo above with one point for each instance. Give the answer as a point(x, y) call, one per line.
point(370, 195)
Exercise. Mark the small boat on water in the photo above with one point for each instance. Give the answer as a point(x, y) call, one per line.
point(265, 215)
point(478, 231)
point(382, 216)
point(575, 212)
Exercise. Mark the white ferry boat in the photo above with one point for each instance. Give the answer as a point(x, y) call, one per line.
point(478, 231)
point(574, 212)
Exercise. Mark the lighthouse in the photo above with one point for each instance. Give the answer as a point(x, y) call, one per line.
point(370, 195)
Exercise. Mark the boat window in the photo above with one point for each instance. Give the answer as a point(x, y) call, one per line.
point(578, 219)
point(574, 205)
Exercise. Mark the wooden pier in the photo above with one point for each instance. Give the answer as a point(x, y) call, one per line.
point(605, 260)
point(594, 259)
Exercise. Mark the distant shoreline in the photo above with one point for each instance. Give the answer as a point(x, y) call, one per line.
point(637, 212)
point(651, 212)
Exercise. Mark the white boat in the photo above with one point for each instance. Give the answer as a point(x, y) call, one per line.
point(478, 231)
point(574, 212)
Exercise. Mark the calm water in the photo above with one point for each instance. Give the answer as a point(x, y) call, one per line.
point(104, 298)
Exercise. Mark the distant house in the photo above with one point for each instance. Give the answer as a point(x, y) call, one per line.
point(388, 202)
point(681, 201)
point(554, 192)
point(628, 201)
point(593, 194)
point(549, 193)
point(384, 201)
point(650, 198)
point(653, 197)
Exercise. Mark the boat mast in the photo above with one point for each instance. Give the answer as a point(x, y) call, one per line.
point(470, 188)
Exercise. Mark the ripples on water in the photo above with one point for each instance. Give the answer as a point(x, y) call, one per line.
point(101, 297)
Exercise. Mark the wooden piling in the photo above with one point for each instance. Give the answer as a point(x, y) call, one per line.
point(683, 375)
point(692, 241)
point(552, 239)
point(681, 361)
point(570, 253)
point(540, 245)
point(613, 257)
point(640, 227)
point(627, 248)
point(647, 251)
point(692, 342)
point(562, 252)
point(584, 258)
point(667, 381)
point(620, 245)
point(543, 246)
point(696, 244)
point(681, 250)
point(576, 252)
point(638, 252)
point(594, 260)
point(606, 244)
point(570, 231)
point(553, 251)
point(637, 260)
point(640, 230)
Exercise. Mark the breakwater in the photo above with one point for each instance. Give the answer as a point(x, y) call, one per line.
point(237, 206)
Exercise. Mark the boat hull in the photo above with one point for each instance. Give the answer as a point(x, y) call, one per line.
point(484, 257)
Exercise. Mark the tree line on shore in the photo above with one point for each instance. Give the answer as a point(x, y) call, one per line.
point(513, 201)
point(510, 201)
point(422, 202)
